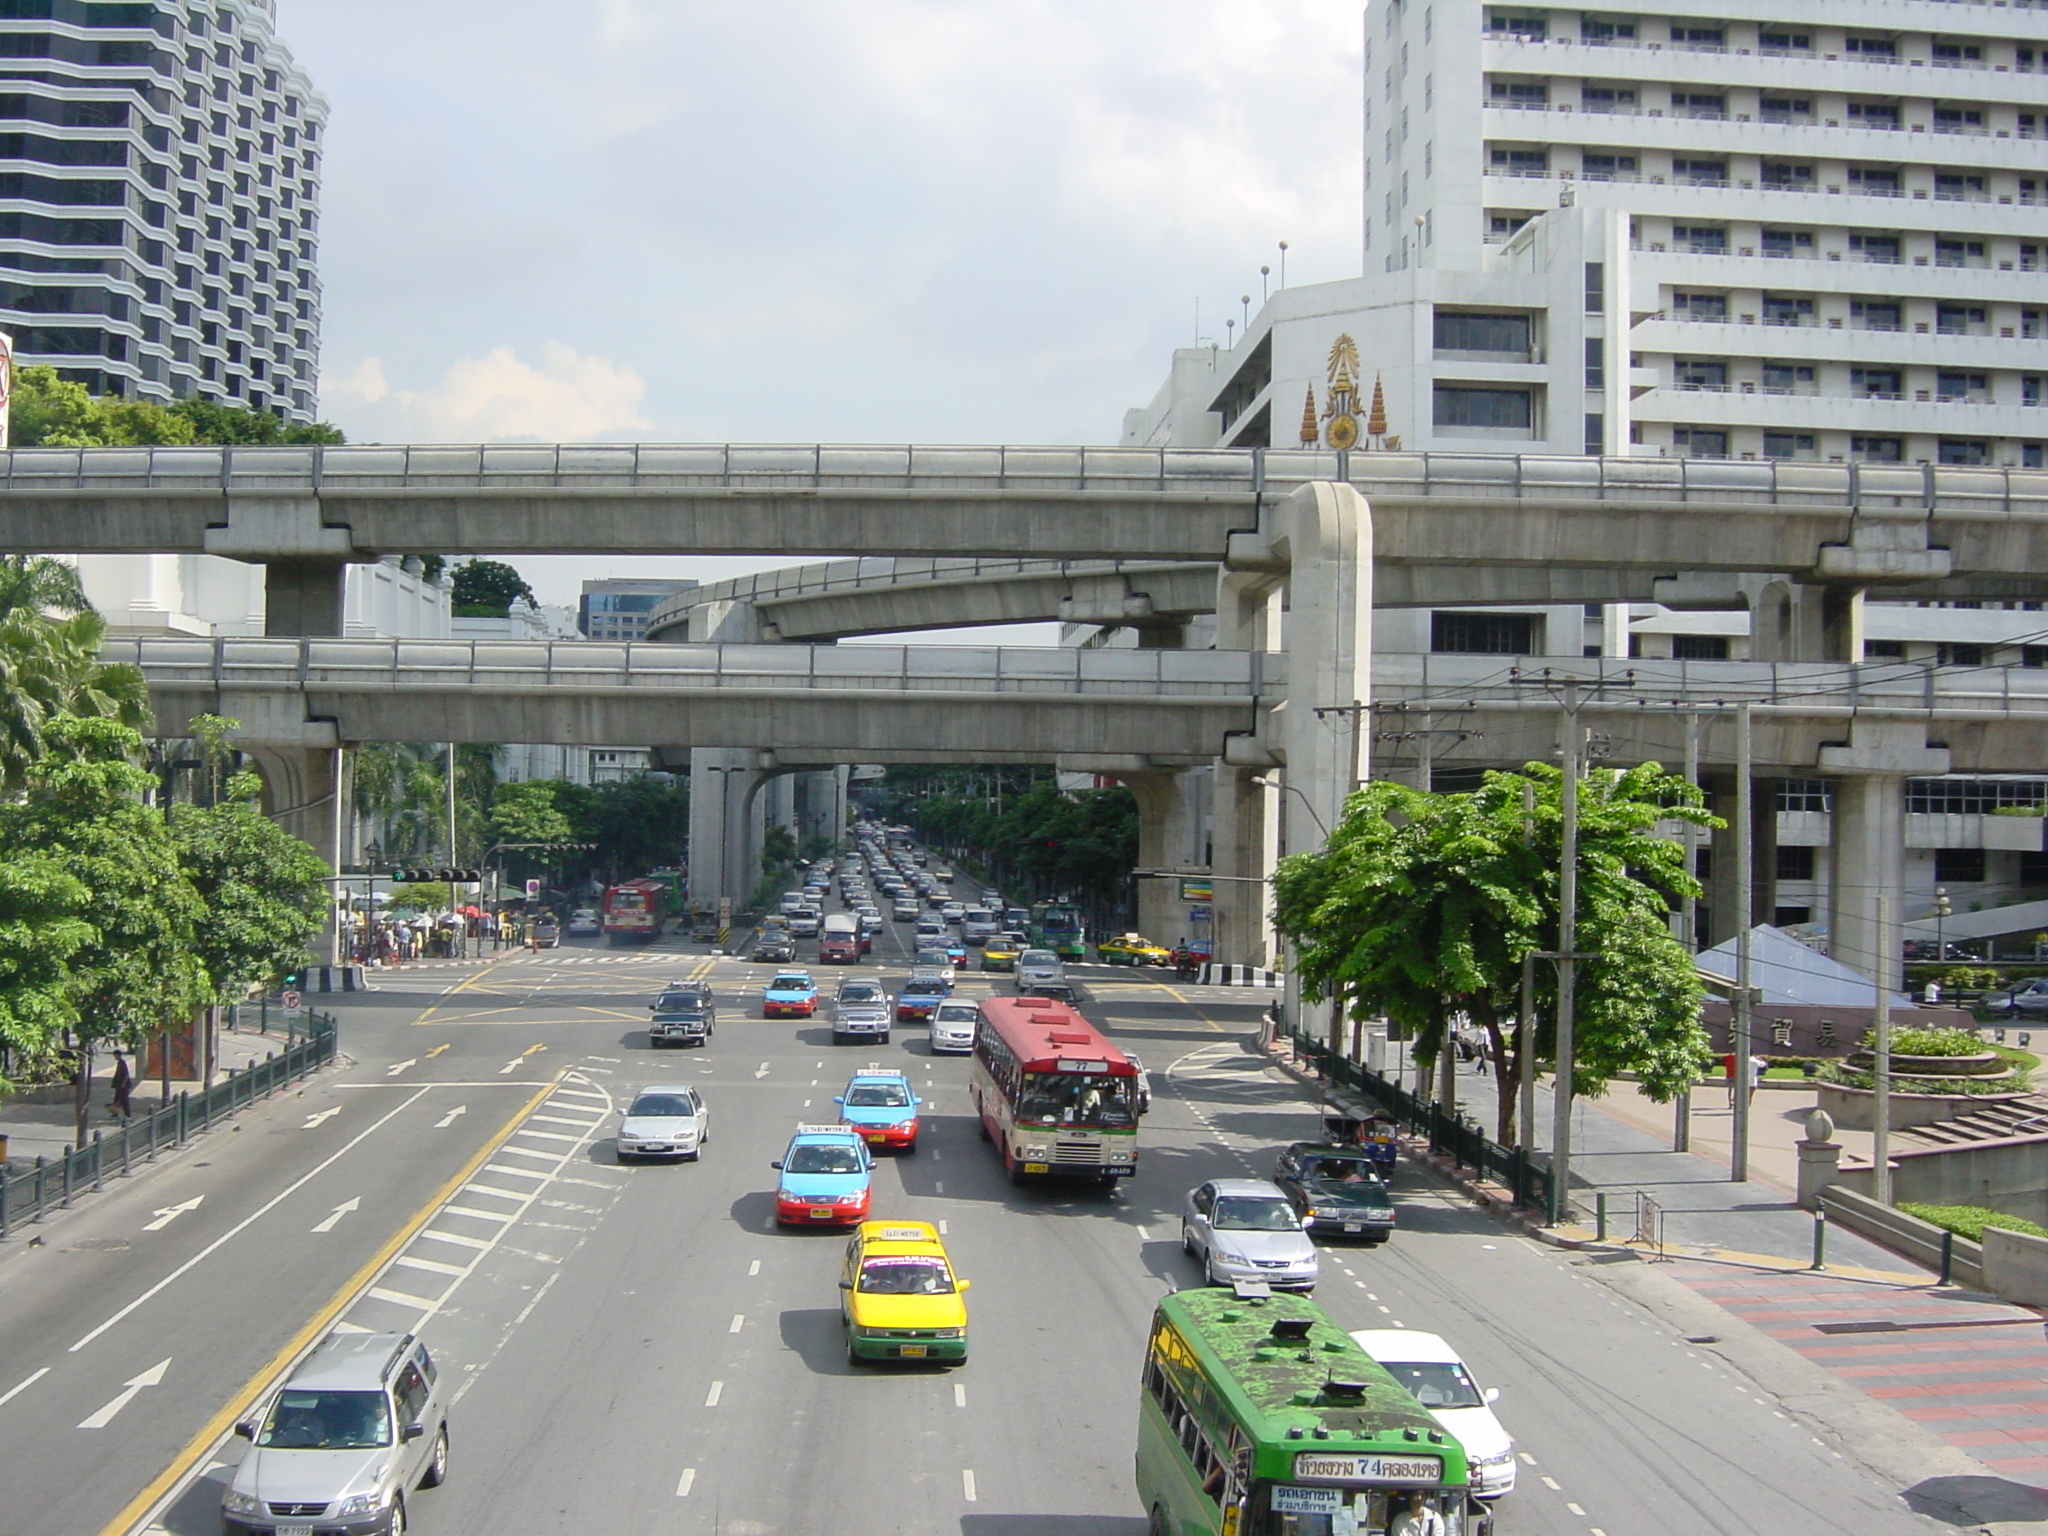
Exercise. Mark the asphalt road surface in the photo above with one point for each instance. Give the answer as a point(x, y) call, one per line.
point(638, 1349)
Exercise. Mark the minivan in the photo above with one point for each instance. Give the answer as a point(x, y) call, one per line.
point(978, 925)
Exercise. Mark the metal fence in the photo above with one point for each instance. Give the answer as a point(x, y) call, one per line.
point(27, 1193)
point(1449, 1133)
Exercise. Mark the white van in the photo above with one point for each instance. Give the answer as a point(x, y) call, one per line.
point(978, 925)
point(791, 900)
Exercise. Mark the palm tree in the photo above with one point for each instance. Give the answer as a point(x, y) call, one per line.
point(50, 667)
point(39, 584)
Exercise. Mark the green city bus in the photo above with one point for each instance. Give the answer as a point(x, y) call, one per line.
point(1057, 926)
point(1261, 1417)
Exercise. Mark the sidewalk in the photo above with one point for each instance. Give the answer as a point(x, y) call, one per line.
point(41, 1123)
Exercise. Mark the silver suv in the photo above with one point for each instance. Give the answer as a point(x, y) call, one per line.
point(362, 1422)
point(861, 1010)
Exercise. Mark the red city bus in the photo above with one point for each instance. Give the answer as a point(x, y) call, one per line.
point(633, 911)
point(1054, 1096)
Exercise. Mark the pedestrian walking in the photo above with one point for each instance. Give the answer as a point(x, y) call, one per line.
point(122, 1086)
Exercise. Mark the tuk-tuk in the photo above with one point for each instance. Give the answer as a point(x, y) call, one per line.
point(1373, 1135)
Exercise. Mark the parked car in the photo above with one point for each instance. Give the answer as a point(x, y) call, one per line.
point(1245, 1229)
point(2030, 996)
point(361, 1423)
point(1436, 1378)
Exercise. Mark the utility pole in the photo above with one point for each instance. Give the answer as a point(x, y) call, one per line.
point(1742, 1004)
point(1881, 1068)
point(1567, 964)
point(1525, 1023)
point(454, 902)
point(1688, 917)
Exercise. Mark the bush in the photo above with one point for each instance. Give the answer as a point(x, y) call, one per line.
point(1929, 1042)
point(1971, 1220)
point(1955, 1087)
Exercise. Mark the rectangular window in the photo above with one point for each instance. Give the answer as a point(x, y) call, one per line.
point(1709, 104)
point(1874, 114)
point(1786, 109)
point(1878, 450)
point(1709, 307)
point(1596, 434)
point(1963, 386)
point(1963, 450)
point(1881, 249)
point(1520, 162)
point(1785, 42)
point(1593, 29)
point(1959, 866)
point(1959, 320)
point(1795, 863)
point(1884, 650)
point(1788, 445)
point(1954, 52)
point(1788, 244)
point(1872, 47)
point(1519, 93)
point(1533, 28)
point(1699, 37)
point(1700, 239)
point(1876, 314)
point(1594, 166)
point(1484, 634)
point(1959, 253)
point(1957, 187)
point(1787, 309)
point(1877, 383)
point(1875, 181)
point(1470, 331)
point(1788, 379)
point(1700, 442)
point(1958, 120)
point(1607, 98)
point(1699, 647)
point(1596, 363)
point(1700, 173)
point(1466, 405)
point(1700, 374)
point(1596, 287)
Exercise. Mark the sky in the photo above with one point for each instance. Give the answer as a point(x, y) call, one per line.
point(984, 221)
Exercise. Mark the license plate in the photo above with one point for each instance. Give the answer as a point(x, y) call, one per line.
point(912, 1351)
point(295, 1530)
point(877, 1136)
point(823, 1215)
point(1354, 1226)
point(1038, 1168)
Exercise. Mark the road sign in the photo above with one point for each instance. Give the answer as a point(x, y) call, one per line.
point(532, 888)
point(1197, 891)
point(292, 1002)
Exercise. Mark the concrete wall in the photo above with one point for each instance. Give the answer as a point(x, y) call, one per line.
point(1853, 1109)
point(1918, 1240)
point(2009, 1175)
point(2016, 1266)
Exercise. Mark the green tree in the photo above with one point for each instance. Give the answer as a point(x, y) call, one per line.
point(49, 668)
point(778, 849)
point(1422, 906)
point(49, 411)
point(39, 584)
point(44, 928)
point(83, 811)
point(528, 812)
point(263, 892)
point(487, 589)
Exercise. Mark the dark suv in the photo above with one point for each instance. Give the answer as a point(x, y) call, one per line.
point(682, 1016)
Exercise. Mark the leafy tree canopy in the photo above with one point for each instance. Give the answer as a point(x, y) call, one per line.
point(263, 892)
point(1422, 906)
point(44, 928)
point(487, 589)
point(53, 412)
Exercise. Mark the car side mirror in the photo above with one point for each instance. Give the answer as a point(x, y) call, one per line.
point(838, 1098)
point(846, 1285)
point(246, 1429)
point(413, 1431)
point(776, 1164)
point(1307, 1222)
point(1493, 1394)
point(964, 1284)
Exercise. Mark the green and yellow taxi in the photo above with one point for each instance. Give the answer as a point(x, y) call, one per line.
point(1132, 949)
point(1000, 953)
point(899, 1298)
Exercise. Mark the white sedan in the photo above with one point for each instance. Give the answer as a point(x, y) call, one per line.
point(664, 1120)
point(1436, 1378)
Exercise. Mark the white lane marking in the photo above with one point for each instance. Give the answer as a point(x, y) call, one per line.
point(333, 1218)
point(1531, 1460)
point(545, 1154)
point(711, 1398)
point(402, 1299)
point(171, 1213)
point(942, 1229)
point(762, 1070)
point(579, 1093)
point(807, 1103)
point(1387, 1309)
point(129, 1389)
point(548, 1135)
point(683, 1483)
point(454, 1237)
point(324, 1115)
point(448, 1119)
point(754, 1268)
point(1575, 1509)
point(492, 1189)
point(967, 1483)
point(565, 1120)
point(512, 1066)
point(431, 1266)
point(938, 1186)
point(470, 1210)
point(739, 1321)
point(1144, 1236)
point(236, 1230)
point(517, 1173)
point(23, 1385)
point(399, 1066)
point(959, 1394)
point(1552, 1484)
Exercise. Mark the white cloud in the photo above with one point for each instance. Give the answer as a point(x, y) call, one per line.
point(492, 398)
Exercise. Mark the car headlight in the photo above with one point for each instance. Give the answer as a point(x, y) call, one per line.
point(856, 1198)
point(359, 1504)
point(239, 1503)
point(1033, 1154)
point(948, 1333)
point(1499, 1459)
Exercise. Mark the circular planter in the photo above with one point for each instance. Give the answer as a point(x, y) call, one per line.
point(1980, 1064)
point(1854, 1109)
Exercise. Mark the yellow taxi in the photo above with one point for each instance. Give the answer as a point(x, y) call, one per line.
point(1000, 953)
point(899, 1298)
point(1132, 949)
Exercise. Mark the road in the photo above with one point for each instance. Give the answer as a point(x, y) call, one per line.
point(638, 1349)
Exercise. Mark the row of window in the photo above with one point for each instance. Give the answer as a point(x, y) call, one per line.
point(1756, 173)
point(1702, 34)
point(1884, 248)
point(1871, 312)
point(1721, 442)
point(1771, 376)
point(1642, 98)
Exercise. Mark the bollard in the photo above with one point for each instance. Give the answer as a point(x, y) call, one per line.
point(1600, 1216)
point(1948, 1257)
point(1820, 1237)
point(99, 1163)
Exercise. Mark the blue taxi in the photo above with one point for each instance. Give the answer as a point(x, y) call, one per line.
point(879, 1104)
point(791, 995)
point(825, 1178)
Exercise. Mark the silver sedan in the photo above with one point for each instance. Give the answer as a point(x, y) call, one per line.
point(1245, 1230)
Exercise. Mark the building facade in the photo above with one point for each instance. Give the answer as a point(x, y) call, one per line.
point(619, 608)
point(159, 200)
point(1758, 231)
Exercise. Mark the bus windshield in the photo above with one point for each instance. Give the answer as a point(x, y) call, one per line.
point(1281, 1510)
point(1079, 1099)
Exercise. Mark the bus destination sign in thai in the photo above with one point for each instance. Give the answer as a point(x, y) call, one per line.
point(1290, 1500)
point(1369, 1469)
point(1082, 1066)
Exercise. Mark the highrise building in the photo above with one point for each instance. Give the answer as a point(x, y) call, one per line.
point(1767, 231)
point(618, 608)
point(159, 200)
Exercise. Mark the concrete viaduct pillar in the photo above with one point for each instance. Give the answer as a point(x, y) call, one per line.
point(1869, 839)
point(722, 784)
point(1244, 829)
point(1166, 840)
point(302, 794)
point(1724, 919)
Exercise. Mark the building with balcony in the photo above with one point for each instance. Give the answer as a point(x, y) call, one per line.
point(159, 200)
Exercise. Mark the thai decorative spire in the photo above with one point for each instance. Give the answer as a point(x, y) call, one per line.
point(1376, 414)
point(1310, 429)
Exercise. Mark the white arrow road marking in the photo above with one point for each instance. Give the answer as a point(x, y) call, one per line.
point(763, 1072)
point(325, 1114)
point(149, 1378)
point(512, 1066)
point(334, 1218)
point(169, 1214)
point(399, 1066)
point(448, 1119)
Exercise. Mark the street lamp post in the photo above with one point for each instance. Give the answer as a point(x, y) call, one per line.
point(1941, 912)
point(1294, 789)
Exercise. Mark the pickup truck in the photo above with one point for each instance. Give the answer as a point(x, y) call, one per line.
point(839, 943)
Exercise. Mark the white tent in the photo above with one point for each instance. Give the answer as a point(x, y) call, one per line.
point(1789, 973)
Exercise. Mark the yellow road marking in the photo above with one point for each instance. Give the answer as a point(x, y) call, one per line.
point(305, 1338)
point(437, 1050)
point(533, 1050)
point(1194, 1007)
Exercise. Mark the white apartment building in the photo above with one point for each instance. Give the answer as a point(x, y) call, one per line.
point(159, 200)
point(1748, 230)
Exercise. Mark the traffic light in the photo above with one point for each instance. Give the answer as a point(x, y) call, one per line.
point(437, 876)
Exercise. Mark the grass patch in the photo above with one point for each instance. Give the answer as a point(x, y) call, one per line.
point(1971, 1220)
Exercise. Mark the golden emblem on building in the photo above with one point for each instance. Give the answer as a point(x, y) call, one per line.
point(1340, 406)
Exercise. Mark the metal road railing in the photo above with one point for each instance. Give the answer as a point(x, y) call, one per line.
point(29, 1192)
point(715, 468)
point(1043, 671)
